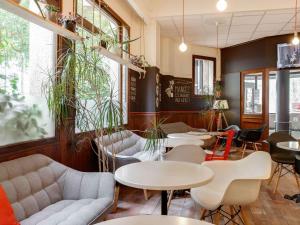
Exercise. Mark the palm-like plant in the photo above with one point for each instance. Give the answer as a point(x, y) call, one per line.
point(82, 84)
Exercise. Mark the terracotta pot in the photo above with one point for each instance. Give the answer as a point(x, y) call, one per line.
point(52, 16)
point(17, 1)
point(103, 44)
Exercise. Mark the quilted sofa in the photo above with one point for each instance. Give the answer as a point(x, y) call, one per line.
point(127, 147)
point(45, 192)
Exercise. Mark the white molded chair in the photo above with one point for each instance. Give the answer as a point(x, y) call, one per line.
point(186, 153)
point(236, 183)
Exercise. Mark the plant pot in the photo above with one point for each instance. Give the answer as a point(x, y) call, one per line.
point(51, 15)
point(17, 1)
point(103, 44)
point(70, 25)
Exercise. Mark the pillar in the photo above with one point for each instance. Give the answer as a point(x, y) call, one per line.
point(283, 100)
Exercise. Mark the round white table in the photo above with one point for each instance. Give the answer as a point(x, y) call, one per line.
point(295, 147)
point(289, 145)
point(154, 220)
point(164, 176)
point(189, 136)
point(174, 142)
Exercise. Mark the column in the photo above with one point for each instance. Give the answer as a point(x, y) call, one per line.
point(283, 100)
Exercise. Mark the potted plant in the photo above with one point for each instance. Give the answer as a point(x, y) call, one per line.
point(68, 22)
point(51, 12)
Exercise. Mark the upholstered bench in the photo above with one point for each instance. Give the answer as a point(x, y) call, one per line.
point(45, 192)
point(126, 147)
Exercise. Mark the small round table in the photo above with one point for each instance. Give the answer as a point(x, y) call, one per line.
point(174, 142)
point(189, 136)
point(154, 220)
point(164, 176)
point(295, 147)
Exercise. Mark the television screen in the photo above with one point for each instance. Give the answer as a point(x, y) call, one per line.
point(288, 56)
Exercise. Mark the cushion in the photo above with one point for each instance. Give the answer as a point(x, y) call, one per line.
point(70, 212)
point(6, 212)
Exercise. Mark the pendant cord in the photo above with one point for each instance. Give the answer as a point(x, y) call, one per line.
point(296, 13)
point(183, 20)
point(217, 25)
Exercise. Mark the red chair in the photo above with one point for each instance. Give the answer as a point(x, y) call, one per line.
point(211, 155)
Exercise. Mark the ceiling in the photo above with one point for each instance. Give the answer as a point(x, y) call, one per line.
point(243, 21)
point(234, 28)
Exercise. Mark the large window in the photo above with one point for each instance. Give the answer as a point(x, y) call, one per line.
point(204, 70)
point(27, 53)
point(96, 19)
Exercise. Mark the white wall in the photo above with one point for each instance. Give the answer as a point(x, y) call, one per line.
point(173, 62)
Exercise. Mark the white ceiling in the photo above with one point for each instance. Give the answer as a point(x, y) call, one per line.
point(243, 21)
point(234, 28)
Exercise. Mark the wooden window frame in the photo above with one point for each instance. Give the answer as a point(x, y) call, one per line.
point(193, 72)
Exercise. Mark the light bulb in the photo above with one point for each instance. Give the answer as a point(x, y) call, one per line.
point(296, 40)
point(183, 47)
point(221, 5)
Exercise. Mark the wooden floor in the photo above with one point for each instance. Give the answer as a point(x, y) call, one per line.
point(269, 209)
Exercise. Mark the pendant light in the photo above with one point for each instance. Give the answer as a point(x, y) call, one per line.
point(296, 40)
point(222, 5)
point(183, 47)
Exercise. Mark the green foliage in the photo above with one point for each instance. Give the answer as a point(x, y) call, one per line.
point(155, 136)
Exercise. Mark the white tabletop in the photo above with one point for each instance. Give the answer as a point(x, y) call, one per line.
point(189, 136)
point(289, 145)
point(196, 133)
point(174, 142)
point(154, 220)
point(164, 175)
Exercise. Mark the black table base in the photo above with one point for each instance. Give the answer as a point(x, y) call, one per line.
point(295, 197)
point(164, 203)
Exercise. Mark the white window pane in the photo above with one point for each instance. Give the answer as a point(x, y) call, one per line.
point(27, 52)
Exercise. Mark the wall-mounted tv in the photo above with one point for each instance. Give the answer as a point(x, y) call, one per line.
point(288, 56)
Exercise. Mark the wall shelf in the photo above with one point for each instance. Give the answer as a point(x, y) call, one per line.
point(32, 17)
point(118, 59)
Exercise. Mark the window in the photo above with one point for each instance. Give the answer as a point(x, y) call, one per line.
point(27, 52)
point(253, 93)
point(204, 70)
point(95, 21)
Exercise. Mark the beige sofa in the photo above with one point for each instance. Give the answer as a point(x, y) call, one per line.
point(45, 192)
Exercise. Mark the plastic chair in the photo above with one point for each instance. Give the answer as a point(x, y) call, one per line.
point(236, 183)
point(284, 159)
point(213, 155)
point(251, 137)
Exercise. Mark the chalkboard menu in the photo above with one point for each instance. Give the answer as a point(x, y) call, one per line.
point(182, 90)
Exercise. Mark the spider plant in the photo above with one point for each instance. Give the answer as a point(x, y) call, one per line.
point(82, 84)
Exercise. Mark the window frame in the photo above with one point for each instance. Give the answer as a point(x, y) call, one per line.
point(214, 60)
point(42, 142)
point(87, 25)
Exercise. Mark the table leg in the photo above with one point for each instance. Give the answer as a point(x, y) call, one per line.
point(164, 203)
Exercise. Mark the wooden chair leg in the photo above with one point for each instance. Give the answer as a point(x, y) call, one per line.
point(232, 213)
point(274, 172)
point(170, 198)
point(277, 182)
point(117, 192)
point(297, 180)
point(244, 216)
point(217, 218)
point(244, 150)
point(146, 195)
point(202, 214)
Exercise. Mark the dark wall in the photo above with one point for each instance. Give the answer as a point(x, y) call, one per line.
point(257, 54)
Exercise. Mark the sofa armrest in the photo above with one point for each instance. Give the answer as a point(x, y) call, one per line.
point(81, 185)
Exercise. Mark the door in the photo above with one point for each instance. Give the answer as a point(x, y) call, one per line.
point(254, 99)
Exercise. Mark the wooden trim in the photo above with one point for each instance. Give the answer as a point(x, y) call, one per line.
point(193, 72)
